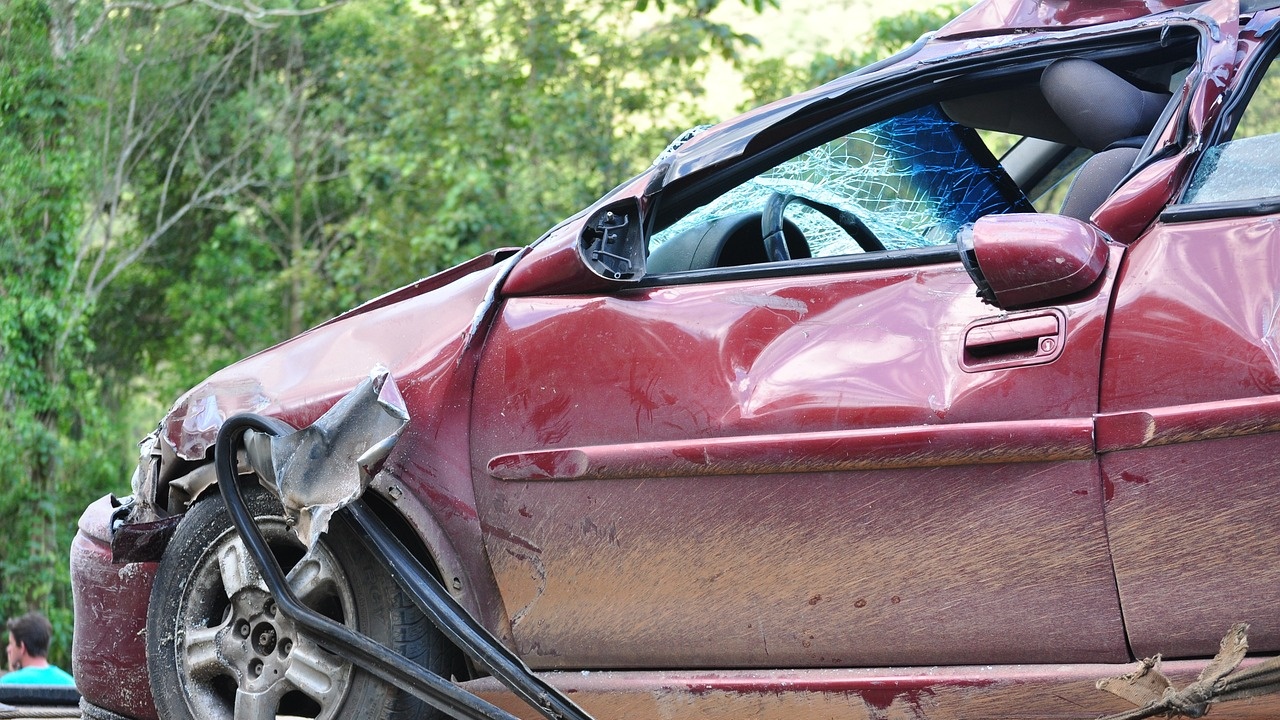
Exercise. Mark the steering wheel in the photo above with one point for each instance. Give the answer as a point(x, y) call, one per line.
point(775, 241)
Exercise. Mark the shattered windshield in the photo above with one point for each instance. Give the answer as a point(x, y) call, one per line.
point(913, 180)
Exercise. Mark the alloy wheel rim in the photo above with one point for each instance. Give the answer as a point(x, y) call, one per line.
point(238, 656)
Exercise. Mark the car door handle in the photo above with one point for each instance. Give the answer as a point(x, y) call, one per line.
point(996, 343)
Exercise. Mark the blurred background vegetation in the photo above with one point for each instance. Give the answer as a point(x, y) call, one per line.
point(185, 182)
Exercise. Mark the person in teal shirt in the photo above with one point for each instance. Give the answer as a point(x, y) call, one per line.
point(28, 646)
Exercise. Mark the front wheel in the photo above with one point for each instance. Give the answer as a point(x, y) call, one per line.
point(219, 649)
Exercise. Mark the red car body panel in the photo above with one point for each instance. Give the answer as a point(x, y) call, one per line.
point(818, 471)
point(299, 379)
point(111, 601)
point(426, 334)
point(686, 425)
point(1196, 320)
point(426, 339)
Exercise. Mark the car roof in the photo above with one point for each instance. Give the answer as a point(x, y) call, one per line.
point(1001, 16)
point(994, 19)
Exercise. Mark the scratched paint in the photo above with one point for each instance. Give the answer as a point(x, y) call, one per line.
point(1191, 523)
point(693, 558)
point(814, 572)
point(1192, 529)
point(1025, 692)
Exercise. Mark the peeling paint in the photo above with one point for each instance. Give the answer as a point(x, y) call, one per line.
point(772, 302)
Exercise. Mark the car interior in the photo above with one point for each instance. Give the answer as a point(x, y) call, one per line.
point(1067, 131)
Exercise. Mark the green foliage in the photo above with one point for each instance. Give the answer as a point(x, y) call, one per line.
point(480, 124)
point(774, 78)
point(1260, 116)
point(51, 429)
point(386, 140)
point(704, 7)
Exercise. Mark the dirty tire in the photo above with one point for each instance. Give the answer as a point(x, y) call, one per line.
point(218, 648)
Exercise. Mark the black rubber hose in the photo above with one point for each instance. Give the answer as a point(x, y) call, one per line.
point(378, 660)
point(454, 621)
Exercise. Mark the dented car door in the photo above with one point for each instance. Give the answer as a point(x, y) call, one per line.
point(825, 454)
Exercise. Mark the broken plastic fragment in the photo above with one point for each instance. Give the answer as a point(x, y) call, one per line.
point(194, 422)
point(200, 426)
point(321, 468)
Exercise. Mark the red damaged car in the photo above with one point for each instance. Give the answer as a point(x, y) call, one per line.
point(945, 390)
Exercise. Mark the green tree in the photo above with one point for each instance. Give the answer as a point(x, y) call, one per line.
point(393, 139)
point(51, 425)
point(481, 124)
point(773, 78)
point(101, 170)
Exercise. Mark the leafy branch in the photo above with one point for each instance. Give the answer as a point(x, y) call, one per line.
point(66, 40)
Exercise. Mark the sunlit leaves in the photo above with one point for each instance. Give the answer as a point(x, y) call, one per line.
point(774, 78)
point(704, 6)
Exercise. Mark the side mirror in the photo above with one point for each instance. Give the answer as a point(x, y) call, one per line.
point(612, 242)
point(1025, 259)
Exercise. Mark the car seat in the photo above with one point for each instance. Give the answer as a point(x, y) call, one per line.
point(1108, 115)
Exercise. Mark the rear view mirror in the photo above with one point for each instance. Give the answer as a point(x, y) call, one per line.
point(1026, 259)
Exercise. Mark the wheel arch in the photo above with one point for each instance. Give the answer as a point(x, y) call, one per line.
point(412, 523)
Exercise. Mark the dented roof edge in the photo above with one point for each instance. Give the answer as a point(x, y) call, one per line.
point(1003, 17)
point(951, 49)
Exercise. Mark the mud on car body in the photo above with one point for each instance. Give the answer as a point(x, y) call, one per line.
point(945, 389)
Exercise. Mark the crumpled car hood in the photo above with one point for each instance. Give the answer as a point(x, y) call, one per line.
point(417, 332)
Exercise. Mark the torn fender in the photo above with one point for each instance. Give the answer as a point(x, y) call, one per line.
point(425, 336)
point(417, 332)
point(324, 467)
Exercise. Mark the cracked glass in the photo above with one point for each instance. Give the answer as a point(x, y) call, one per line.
point(913, 180)
point(1246, 167)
